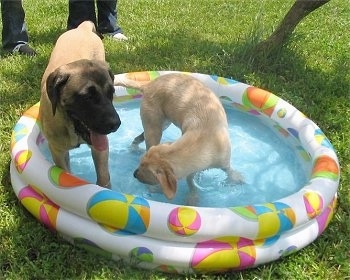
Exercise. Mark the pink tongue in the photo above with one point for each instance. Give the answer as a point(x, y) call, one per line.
point(99, 141)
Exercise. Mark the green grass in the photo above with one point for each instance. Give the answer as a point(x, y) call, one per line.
point(312, 72)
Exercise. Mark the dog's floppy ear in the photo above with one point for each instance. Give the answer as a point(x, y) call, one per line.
point(167, 181)
point(111, 74)
point(54, 83)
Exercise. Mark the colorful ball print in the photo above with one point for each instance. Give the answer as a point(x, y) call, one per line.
point(313, 204)
point(288, 251)
point(245, 109)
point(281, 113)
point(325, 167)
point(63, 179)
point(223, 81)
point(321, 138)
point(184, 221)
point(21, 160)
point(325, 217)
point(260, 99)
point(223, 254)
point(142, 76)
point(39, 205)
point(141, 254)
point(293, 132)
point(40, 140)
point(19, 132)
point(281, 130)
point(303, 153)
point(273, 218)
point(32, 112)
point(167, 268)
point(119, 213)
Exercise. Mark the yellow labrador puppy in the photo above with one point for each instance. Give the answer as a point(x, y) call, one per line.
point(184, 101)
point(76, 99)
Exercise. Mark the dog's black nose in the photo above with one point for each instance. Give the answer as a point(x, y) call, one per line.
point(135, 173)
point(112, 124)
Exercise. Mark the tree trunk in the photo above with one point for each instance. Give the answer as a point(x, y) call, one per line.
point(299, 10)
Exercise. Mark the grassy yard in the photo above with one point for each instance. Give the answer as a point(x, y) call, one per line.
point(312, 72)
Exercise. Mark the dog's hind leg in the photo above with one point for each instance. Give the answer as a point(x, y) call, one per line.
point(233, 176)
point(137, 141)
point(192, 198)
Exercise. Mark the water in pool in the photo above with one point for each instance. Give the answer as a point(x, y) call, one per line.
point(270, 166)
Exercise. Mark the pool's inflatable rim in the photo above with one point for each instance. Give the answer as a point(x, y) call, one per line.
point(177, 238)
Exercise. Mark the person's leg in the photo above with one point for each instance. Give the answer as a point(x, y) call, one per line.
point(14, 32)
point(79, 11)
point(107, 17)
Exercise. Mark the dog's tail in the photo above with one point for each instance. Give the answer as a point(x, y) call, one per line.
point(89, 26)
point(125, 81)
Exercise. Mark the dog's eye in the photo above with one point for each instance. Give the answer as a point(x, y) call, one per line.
point(92, 97)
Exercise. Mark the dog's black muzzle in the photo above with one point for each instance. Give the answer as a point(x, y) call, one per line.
point(111, 125)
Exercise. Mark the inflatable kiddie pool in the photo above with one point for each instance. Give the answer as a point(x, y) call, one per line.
point(178, 238)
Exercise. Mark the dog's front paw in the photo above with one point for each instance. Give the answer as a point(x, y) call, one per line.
point(136, 149)
point(105, 185)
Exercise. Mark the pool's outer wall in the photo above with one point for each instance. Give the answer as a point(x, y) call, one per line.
point(177, 238)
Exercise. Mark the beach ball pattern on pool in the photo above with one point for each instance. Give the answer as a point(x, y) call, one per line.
point(19, 132)
point(32, 112)
point(321, 138)
point(39, 205)
point(120, 213)
point(21, 160)
point(223, 253)
point(245, 109)
point(325, 217)
point(281, 113)
point(273, 218)
point(223, 81)
point(325, 167)
point(313, 204)
point(260, 99)
point(141, 254)
point(290, 250)
point(184, 221)
point(143, 76)
point(293, 132)
point(63, 179)
point(40, 140)
point(281, 130)
point(167, 268)
point(303, 153)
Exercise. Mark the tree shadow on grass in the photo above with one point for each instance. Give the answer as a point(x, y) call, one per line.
point(285, 73)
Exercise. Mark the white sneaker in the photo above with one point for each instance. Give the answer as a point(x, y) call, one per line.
point(120, 37)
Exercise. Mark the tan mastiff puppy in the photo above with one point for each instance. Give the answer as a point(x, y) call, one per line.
point(195, 109)
point(76, 99)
